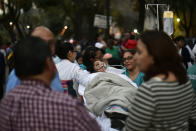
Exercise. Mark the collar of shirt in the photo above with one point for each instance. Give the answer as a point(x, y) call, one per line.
point(34, 82)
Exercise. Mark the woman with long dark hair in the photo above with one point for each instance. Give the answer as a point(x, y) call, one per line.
point(89, 58)
point(165, 101)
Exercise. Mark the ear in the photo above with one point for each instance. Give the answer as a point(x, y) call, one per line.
point(50, 64)
point(50, 69)
point(152, 59)
point(69, 54)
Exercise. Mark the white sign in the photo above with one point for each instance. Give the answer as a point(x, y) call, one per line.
point(101, 21)
point(168, 22)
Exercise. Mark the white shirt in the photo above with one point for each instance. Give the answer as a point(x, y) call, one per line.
point(114, 70)
point(191, 52)
point(194, 50)
point(99, 45)
point(71, 71)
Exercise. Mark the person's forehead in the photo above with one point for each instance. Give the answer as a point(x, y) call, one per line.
point(97, 63)
point(140, 45)
point(127, 54)
point(127, 34)
point(47, 38)
point(98, 52)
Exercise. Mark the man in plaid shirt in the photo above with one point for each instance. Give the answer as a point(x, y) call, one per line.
point(32, 106)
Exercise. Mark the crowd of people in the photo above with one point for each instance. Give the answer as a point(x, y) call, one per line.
point(143, 83)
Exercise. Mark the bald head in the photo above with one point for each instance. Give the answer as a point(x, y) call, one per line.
point(45, 34)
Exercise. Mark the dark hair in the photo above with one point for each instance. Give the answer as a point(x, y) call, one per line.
point(114, 61)
point(88, 58)
point(179, 38)
point(8, 44)
point(165, 55)
point(98, 49)
point(30, 56)
point(130, 51)
point(132, 37)
point(111, 43)
point(79, 55)
point(62, 49)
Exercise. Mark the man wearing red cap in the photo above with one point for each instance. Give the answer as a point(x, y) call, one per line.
point(131, 44)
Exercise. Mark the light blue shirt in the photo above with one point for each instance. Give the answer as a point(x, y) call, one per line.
point(56, 59)
point(14, 81)
point(192, 76)
point(82, 66)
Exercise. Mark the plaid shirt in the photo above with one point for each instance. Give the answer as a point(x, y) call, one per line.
point(32, 106)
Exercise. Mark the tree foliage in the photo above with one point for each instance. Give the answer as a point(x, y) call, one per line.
point(11, 12)
point(79, 16)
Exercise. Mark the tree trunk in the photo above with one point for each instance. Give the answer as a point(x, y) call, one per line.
point(77, 24)
point(160, 20)
point(92, 31)
point(141, 15)
point(10, 31)
point(187, 30)
point(21, 35)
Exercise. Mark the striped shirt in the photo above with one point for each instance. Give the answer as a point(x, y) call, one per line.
point(160, 105)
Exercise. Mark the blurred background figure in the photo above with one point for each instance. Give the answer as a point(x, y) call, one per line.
point(131, 43)
point(185, 51)
point(125, 38)
point(113, 49)
point(99, 54)
point(89, 57)
point(128, 42)
point(101, 44)
point(9, 55)
point(79, 59)
point(192, 75)
point(194, 50)
point(2, 74)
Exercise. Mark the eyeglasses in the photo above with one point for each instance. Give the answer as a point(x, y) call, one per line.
point(128, 58)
